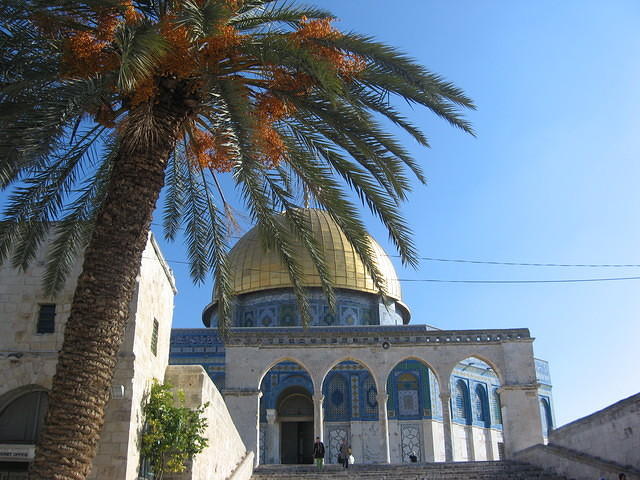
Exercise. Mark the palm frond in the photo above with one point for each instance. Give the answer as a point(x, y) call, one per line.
point(140, 48)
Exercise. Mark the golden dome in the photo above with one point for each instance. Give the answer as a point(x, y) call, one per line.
point(254, 269)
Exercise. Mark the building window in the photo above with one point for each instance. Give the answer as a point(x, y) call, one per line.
point(497, 409)
point(154, 337)
point(408, 398)
point(545, 415)
point(21, 421)
point(461, 403)
point(337, 398)
point(481, 406)
point(46, 318)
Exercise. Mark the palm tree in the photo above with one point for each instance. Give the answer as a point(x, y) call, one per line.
point(102, 102)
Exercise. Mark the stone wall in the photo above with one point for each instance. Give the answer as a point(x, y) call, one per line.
point(596, 446)
point(28, 357)
point(226, 454)
point(612, 433)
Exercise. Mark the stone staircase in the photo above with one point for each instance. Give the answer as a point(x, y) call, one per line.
point(426, 471)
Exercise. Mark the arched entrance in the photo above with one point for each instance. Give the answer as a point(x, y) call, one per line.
point(286, 415)
point(295, 415)
point(414, 410)
point(21, 420)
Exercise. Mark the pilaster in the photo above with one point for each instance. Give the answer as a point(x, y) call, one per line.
point(446, 424)
point(384, 426)
point(522, 426)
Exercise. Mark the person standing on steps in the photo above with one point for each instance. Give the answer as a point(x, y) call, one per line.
point(318, 453)
point(345, 452)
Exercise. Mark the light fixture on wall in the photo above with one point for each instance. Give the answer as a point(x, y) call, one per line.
point(386, 345)
point(117, 391)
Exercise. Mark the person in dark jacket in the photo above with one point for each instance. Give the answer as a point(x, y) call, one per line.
point(345, 452)
point(318, 453)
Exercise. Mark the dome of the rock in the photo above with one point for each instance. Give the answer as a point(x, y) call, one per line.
point(254, 269)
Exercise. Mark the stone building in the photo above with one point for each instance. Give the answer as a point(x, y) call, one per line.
point(361, 373)
point(31, 333)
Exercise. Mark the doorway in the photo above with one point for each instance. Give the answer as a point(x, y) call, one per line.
point(295, 414)
point(297, 442)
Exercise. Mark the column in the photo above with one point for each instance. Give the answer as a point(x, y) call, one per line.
point(521, 422)
point(272, 447)
point(384, 426)
point(446, 426)
point(244, 408)
point(318, 416)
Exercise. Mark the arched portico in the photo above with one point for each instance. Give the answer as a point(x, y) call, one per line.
point(350, 406)
point(414, 412)
point(508, 353)
point(286, 413)
point(476, 430)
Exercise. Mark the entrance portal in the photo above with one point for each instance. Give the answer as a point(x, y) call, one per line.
point(297, 442)
point(295, 414)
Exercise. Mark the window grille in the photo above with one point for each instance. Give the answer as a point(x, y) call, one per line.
point(461, 402)
point(46, 318)
point(338, 398)
point(480, 407)
point(370, 397)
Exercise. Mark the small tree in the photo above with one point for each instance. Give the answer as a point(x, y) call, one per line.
point(173, 434)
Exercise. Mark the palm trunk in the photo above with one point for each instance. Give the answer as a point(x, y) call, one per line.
point(100, 309)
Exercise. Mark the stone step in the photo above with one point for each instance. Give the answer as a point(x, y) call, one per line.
point(430, 471)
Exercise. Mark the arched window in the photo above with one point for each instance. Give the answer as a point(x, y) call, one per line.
point(497, 408)
point(296, 404)
point(481, 406)
point(21, 420)
point(337, 399)
point(370, 397)
point(545, 415)
point(461, 403)
point(408, 397)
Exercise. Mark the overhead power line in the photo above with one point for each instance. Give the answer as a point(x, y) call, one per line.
point(443, 280)
point(523, 264)
point(566, 280)
point(496, 262)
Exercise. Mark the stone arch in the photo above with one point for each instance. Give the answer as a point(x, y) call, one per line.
point(475, 371)
point(426, 392)
point(358, 392)
point(428, 364)
point(483, 358)
point(326, 370)
point(286, 412)
point(22, 413)
point(471, 380)
point(11, 395)
point(292, 359)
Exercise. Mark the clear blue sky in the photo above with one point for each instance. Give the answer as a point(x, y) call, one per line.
point(552, 177)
